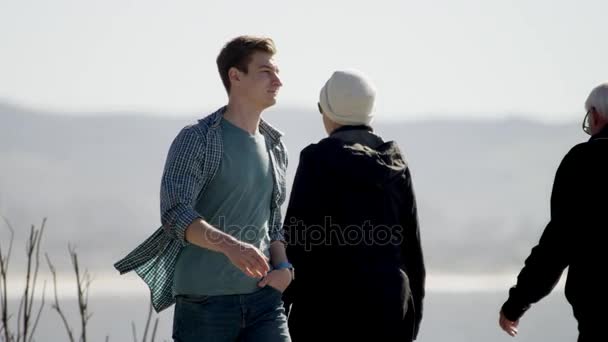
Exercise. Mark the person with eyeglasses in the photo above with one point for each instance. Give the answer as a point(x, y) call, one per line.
point(352, 228)
point(575, 237)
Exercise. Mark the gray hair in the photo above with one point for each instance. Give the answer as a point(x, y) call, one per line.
point(598, 100)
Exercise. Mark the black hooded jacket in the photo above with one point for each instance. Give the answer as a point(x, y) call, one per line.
point(353, 237)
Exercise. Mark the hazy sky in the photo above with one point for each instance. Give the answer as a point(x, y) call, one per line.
point(471, 57)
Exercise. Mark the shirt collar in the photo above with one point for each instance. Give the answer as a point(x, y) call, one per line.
point(265, 128)
point(351, 128)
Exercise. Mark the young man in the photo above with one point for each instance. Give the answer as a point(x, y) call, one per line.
point(352, 228)
point(221, 193)
point(575, 235)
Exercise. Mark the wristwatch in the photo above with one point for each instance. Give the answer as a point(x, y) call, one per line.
point(287, 265)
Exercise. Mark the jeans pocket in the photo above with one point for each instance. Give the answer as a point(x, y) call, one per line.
point(187, 312)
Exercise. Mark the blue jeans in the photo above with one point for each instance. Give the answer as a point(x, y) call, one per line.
point(254, 317)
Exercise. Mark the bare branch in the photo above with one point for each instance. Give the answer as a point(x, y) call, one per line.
point(1, 332)
point(10, 246)
point(56, 306)
point(39, 311)
point(83, 283)
point(19, 323)
point(133, 330)
point(154, 330)
point(147, 323)
point(87, 280)
point(33, 254)
point(4, 262)
point(29, 251)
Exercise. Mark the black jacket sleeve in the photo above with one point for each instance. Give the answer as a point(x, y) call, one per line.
point(412, 252)
point(548, 259)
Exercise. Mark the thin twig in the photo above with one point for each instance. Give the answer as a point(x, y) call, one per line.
point(4, 262)
point(133, 330)
point(19, 323)
point(39, 311)
point(154, 330)
point(37, 238)
point(83, 282)
point(147, 323)
point(29, 250)
point(10, 246)
point(56, 306)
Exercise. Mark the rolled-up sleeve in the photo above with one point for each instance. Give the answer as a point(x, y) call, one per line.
point(276, 226)
point(276, 230)
point(182, 182)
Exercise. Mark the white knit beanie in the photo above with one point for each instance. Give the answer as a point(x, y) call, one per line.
point(348, 98)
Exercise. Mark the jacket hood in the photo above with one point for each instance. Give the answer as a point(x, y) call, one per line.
point(360, 157)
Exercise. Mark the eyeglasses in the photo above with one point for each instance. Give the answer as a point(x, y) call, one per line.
point(320, 109)
point(586, 125)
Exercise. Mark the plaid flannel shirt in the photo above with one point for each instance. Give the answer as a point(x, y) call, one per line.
point(192, 162)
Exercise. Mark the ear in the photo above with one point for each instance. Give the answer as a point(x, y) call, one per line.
point(598, 119)
point(234, 75)
point(595, 117)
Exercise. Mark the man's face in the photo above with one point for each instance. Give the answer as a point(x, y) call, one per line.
point(260, 85)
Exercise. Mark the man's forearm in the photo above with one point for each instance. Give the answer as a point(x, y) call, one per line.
point(204, 235)
point(277, 252)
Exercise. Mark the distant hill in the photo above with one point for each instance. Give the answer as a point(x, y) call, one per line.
point(483, 186)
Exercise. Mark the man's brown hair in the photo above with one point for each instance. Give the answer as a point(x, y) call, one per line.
point(237, 53)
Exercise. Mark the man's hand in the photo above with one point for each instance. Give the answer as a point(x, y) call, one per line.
point(510, 327)
point(278, 279)
point(247, 258)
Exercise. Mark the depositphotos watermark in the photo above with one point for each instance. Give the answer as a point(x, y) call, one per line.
point(328, 234)
point(332, 234)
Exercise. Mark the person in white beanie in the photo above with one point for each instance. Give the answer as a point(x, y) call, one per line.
point(352, 228)
point(575, 237)
point(347, 98)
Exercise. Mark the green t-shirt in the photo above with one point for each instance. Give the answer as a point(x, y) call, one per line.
point(237, 201)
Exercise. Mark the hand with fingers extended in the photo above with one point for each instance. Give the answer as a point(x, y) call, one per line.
point(248, 259)
point(510, 327)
